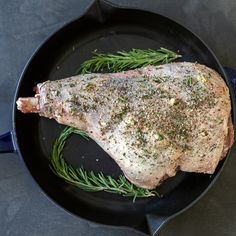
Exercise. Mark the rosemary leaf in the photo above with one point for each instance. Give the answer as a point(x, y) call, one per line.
point(88, 180)
point(135, 58)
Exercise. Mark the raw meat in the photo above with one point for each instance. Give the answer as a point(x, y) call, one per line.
point(152, 121)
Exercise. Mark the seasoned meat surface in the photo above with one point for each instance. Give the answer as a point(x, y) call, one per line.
point(152, 121)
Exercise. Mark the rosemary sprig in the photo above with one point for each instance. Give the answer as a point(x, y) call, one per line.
point(88, 180)
point(135, 58)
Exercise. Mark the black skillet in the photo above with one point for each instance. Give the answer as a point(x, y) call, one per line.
point(106, 28)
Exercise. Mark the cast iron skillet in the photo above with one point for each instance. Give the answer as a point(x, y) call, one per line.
point(109, 29)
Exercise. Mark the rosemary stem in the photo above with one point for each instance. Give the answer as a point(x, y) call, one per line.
point(132, 59)
point(88, 181)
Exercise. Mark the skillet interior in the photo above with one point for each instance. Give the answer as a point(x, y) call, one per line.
point(61, 56)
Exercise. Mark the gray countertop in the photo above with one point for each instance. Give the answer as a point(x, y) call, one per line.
point(24, 24)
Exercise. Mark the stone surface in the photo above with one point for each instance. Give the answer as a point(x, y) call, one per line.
point(24, 24)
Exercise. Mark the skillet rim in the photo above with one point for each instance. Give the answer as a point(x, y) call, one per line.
point(41, 45)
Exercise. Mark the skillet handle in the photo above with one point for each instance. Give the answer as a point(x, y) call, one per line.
point(6, 143)
point(232, 75)
point(155, 223)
